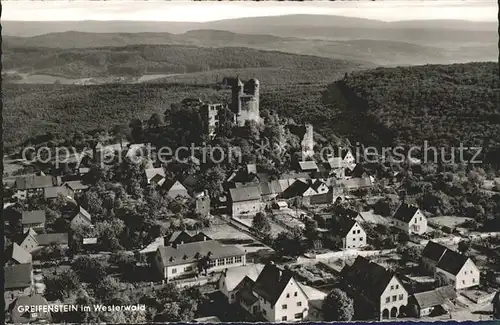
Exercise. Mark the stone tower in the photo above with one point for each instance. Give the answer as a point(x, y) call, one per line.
point(307, 143)
point(245, 101)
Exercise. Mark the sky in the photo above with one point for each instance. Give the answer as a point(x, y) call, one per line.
point(185, 11)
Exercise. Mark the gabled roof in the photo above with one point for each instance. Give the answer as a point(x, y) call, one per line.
point(452, 262)
point(34, 182)
point(356, 182)
point(308, 165)
point(372, 279)
point(54, 238)
point(250, 193)
point(54, 191)
point(272, 187)
point(17, 276)
point(341, 226)
point(174, 186)
point(84, 213)
point(234, 276)
point(178, 237)
point(29, 232)
point(405, 212)
point(271, 282)
point(316, 185)
point(435, 297)
point(434, 251)
point(296, 189)
point(152, 172)
point(30, 217)
point(76, 185)
point(18, 254)
point(192, 252)
point(334, 162)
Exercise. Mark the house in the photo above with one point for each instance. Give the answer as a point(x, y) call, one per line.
point(175, 189)
point(231, 280)
point(274, 296)
point(33, 219)
point(82, 218)
point(59, 239)
point(410, 219)
point(18, 281)
point(370, 217)
point(155, 175)
point(270, 190)
point(36, 183)
point(28, 241)
point(432, 303)
point(192, 258)
point(357, 183)
point(458, 270)
point(350, 231)
point(375, 289)
point(183, 237)
point(23, 310)
point(65, 191)
point(308, 166)
point(245, 201)
point(431, 255)
point(77, 186)
point(17, 255)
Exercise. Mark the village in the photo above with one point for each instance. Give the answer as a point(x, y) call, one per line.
point(328, 239)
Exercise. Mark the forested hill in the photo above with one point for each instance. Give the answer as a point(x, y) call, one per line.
point(443, 104)
point(137, 60)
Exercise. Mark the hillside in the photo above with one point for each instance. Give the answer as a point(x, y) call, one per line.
point(361, 44)
point(381, 106)
point(138, 60)
point(444, 105)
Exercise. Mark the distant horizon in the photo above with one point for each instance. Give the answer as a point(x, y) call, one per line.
point(202, 12)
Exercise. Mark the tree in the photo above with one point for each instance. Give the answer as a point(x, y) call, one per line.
point(62, 285)
point(338, 306)
point(106, 289)
point(311, 229)
point(464, 246)
point(261, 224)
point(290, 242)
point(89, 269)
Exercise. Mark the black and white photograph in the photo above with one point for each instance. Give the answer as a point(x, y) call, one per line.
point(251, 161)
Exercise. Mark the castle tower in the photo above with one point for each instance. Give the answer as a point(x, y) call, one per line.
point(236, 92)
point(246, 107)
point(307, 143)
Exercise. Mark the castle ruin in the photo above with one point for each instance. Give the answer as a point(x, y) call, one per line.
point(244, 100)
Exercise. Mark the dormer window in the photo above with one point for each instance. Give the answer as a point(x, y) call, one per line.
point(184, 257)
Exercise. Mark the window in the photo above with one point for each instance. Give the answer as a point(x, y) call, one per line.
point(295, 294)
point(463, 281)
point(397, 286)
point(237, 259)
point(354, 232)
point(298, 316)
point(392, 287)
point(416, 220)
point(283, 318)
point(361, 238)
point(174, 270)
point(284, 307)
point(387, 300)
point(354, 239)
point(473, 280)
point(359, 231)
point(299, 304)
point(188, 268)
point(394, 298)
point(400, 297)
point(232, 296)
point(288, 295)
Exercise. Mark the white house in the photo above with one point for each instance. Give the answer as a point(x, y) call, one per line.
point(232, 279)
point(275, 296)
point(189, 259)
point(458, 270)
point(410, 219)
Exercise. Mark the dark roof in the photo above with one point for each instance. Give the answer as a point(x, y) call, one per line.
point(17, 276)
point(18, 254)
point(76, 185)
point(296, 189)
point(405, 212)
point(433, 251)
point(271, 282)
point(54, 238)
point(245, 295)
point(179, 236)
point(192, 252)
point(370, 278)
point(452, 261)
point(435, 297)
point(34, 182)
point(341, 226)
point(25, 317)
point(241, 194)
point(36, 216)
